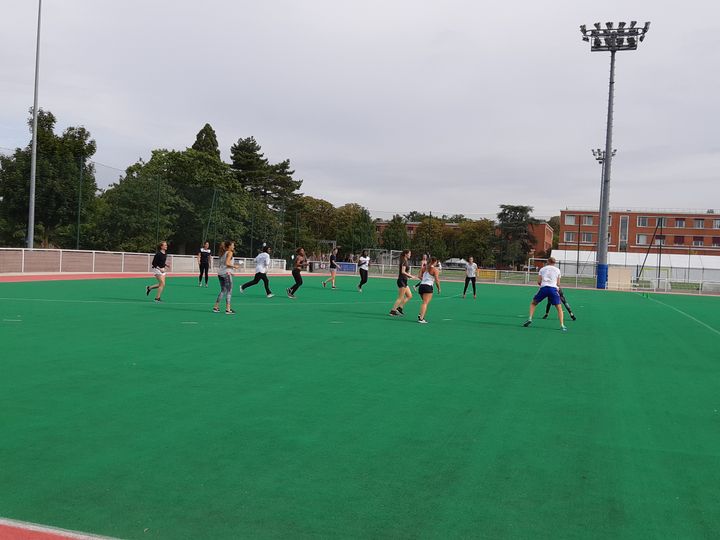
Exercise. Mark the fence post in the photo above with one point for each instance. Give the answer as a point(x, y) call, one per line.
point(122, 263)
point(22, 265)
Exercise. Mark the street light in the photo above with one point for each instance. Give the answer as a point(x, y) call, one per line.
point(610, 39)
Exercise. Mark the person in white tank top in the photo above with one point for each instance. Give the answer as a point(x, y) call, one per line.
point(429, 278)
point(470, 273)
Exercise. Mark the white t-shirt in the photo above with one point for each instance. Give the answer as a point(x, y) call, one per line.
point(549, 275)
point(262, 263)
point(471, 269)
point(364, 261)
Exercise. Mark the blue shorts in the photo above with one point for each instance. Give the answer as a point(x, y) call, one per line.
point(546, 292)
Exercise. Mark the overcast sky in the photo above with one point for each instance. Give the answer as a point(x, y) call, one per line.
point(450, 107)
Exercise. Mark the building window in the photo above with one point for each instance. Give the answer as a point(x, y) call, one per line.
point(661, 222)
point(699, 223)
point(569, 236)
point(641, 239)
point(660, 240)
point(588, 220)
point(716, 223)
point(587, 238)
point(569, 219)
point(698, 241)
point(716, 241)
point(642, 221)
point(679, 240)
point(680, 222)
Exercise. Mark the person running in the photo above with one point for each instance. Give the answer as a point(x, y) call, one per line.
point(470, 276)
point(204, 258)
point(225, 275)
point(404, 294)
point(262, 263)
point(299, 263)
point(549, 282)
point(363, 268)
point(159, 268)
point(564, 302)
point(333, 268)
point(429, 277)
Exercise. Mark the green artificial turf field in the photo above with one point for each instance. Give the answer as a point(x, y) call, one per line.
point(324, 417)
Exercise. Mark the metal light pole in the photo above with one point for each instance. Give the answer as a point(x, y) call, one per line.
point(610, 39)
point(599, 156)
point(33, 155)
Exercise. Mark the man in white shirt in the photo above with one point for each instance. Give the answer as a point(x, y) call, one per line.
point(549, 281)
point(262, 263)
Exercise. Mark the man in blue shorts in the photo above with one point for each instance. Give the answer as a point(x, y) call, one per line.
point(549, 281)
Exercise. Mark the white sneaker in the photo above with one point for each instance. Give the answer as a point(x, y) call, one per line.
point(242, 291)
point(422, 321)
point(270, 295)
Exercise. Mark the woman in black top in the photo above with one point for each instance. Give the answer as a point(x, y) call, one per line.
point(333, 268)
point(204, 258)
point(299, 263)
point(159, 267)
point(404, 294)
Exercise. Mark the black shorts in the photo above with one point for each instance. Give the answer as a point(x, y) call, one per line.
point(425, 289)
point(402, 283)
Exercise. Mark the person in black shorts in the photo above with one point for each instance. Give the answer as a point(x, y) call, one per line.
point(333, 268)
point(404, 294)
point(299, 263)
point(204, 258)
point(564, 302)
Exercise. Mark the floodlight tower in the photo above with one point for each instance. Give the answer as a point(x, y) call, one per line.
point(33, 154)
point(622, 38)
point(599, 156)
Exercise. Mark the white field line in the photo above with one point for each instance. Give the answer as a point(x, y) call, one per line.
point(701, 323)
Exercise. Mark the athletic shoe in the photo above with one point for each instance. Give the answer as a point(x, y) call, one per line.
point(324, 284)
point(229, 312)
point(573, 317)
point(242, 291)
point(359, 288)
point(334, 287)
point(147, 291)
point(206, 285)
point(216, 310)
point(270, 295)
point(290, 294)
point(393, 313)
point(422, 321)
point(545, 316)
point(158, 300)
point(563, 328)
point(400, 311)
point(199, 284)
point(527, 323)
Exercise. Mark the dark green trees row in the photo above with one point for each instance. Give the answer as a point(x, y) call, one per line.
point(186, 197)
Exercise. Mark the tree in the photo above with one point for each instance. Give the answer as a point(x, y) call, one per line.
point(477, 240)
point(554, 222)
point(428, 238)
point(516, 240)
point(395, 235)
point(272, 184)
point(355, 228)
point(206, 141)
point(415, 217)
point(61, 189)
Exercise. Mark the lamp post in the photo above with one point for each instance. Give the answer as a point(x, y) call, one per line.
point(612, 40)
point(599, 156)
point(33, 155)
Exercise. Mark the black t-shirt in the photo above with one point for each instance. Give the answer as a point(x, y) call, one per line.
point(205, 256)
point(404, 268)
point(333, 264)
point(159, 260)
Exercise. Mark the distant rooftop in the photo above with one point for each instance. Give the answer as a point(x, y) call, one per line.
point(648, 210)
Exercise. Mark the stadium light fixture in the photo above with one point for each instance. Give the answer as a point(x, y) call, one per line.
point(612, 40)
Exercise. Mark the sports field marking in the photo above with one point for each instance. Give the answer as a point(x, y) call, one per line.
point(189, 322)
point(10, 528)
point(12, 320)
point(688, 316)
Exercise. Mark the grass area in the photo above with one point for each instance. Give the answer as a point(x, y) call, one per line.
point(324, 417)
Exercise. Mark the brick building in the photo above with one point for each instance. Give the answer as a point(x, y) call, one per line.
point(634, 231)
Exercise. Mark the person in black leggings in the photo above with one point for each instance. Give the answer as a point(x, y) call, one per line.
point(363, 268)
point(564, 302)
point(470, 276)
point(204, 257)
point(299, 263)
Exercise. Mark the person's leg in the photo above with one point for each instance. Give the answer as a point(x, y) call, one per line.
point(265, 281)
point(202, 270)
point(467, 280)
point(253, 281)
point(298, 281)
point(228, 293)
point(207, 272)
point(426, 297)
point(547, 308)
point(333, 275)
point(532, 312)
point(221, 278)
point(567, 306)
point(561, 316)
point(407, 296)
point(363, 278)
point(398, 301)
point(472, 280)
point(160, 286)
